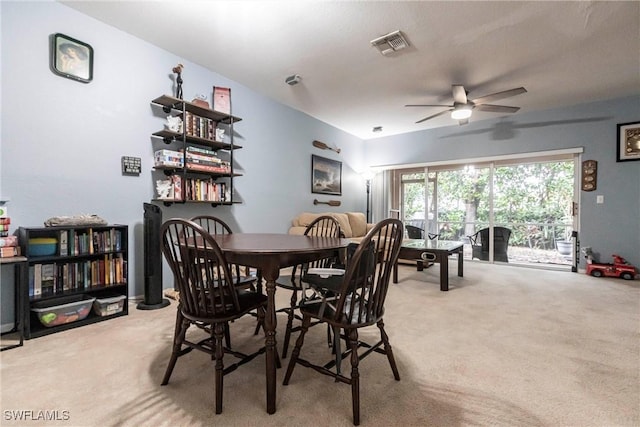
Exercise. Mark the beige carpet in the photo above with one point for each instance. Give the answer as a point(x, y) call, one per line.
point(506, 346)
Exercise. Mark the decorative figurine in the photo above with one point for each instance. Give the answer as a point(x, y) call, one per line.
point(178, 70)
point(219, 135)
point(200, 100)
point(174, 124)
point(163, 187)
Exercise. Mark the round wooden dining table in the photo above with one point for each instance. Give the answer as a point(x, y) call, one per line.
point(269, 253)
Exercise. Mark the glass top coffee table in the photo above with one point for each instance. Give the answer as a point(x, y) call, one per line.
point(438, 251)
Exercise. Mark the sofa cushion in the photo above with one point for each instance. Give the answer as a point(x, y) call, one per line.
point(358, 223)
point(306, 218)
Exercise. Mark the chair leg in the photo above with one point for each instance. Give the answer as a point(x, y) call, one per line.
point(218, 331)
point(182, 325)
point(259, 325)
point(290, 316)
point(227, 335)
point(306, 321)
point(388, 351)
point(338, 350)
point(355, 376)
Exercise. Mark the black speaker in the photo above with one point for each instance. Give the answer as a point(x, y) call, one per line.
point(152, 260)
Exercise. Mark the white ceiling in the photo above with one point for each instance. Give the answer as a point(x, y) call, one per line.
point(563, 53)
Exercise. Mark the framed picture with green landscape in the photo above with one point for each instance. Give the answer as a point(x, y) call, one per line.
point(326, 176)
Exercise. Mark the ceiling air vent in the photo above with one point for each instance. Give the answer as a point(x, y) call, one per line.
point(390, 43)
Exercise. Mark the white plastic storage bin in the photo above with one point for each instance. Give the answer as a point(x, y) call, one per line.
point(108, 306)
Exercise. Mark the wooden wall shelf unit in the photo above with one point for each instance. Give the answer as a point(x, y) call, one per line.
point(93, 262)
point(203, 182)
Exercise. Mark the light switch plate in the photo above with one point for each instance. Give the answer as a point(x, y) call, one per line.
point(600, 199)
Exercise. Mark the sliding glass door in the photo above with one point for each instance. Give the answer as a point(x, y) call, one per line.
point(523, 209)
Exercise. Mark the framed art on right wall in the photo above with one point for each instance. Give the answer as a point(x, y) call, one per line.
point(326, 176)
point(628, 142)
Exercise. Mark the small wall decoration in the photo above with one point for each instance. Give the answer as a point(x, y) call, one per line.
point(628, 142)
point(222, 99)
point(326, 176)
point(71, 58)
point(589, 175)
point(131, 165)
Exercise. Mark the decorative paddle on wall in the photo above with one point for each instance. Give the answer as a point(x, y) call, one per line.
point(324, 146)
point(330, 202)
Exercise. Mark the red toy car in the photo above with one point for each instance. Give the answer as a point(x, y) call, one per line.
point(620, 268)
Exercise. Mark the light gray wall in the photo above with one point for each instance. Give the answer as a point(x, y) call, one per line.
point(62, 141)
point(611, 227)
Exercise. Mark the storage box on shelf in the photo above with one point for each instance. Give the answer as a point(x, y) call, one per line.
point(70, 267)
point(198, 166)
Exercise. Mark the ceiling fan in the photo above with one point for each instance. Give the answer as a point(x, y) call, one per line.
point(462, 106)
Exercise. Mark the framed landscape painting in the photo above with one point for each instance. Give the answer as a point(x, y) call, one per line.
point(326, 176)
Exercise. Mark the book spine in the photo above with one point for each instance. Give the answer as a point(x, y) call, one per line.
point(192, 149)
point(9, 251)
point(37, 280)
point(63, 243)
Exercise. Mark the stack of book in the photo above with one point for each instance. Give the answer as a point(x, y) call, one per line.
point(8, 244)
point(204, 160)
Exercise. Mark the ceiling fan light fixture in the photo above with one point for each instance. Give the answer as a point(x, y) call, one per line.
point(461, 113)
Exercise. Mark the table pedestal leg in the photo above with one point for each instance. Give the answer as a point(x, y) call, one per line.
point(270, 339)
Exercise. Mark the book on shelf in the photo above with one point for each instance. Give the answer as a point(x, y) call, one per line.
point(5, 220)
point(9, 251)
point(208, 168)
point(63, 243)
point(199, 150)
point(48, 279)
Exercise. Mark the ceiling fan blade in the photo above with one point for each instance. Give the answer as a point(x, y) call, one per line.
point(497, 108)
point(433, 116)
point(459, 94)
point(426, 105)
point(499, 95)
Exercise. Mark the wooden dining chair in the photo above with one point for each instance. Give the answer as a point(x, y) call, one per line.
point(215, 226)
point(359, 302)
point(323, 226)
point(208, 297)
point(241, 274)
